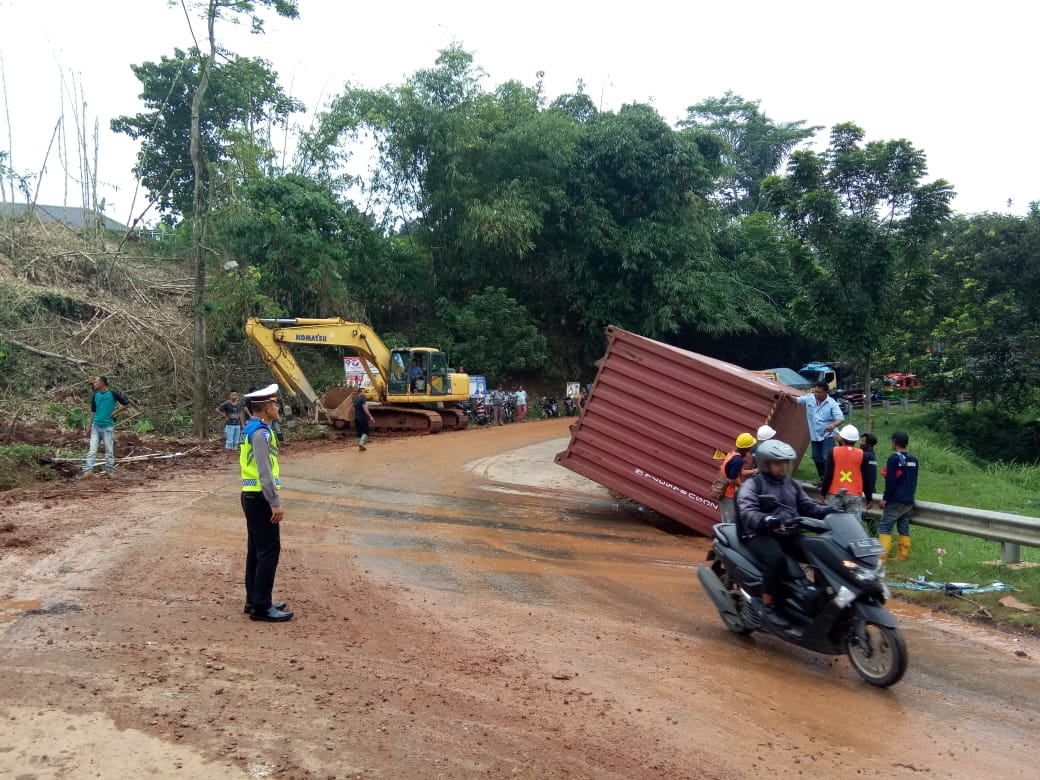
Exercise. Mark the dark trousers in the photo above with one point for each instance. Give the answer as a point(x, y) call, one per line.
point(264, 547)
point(772, 553)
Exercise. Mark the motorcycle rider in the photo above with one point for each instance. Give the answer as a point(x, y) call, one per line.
point(761, 522)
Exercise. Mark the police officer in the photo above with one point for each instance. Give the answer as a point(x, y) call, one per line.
point(258, 460)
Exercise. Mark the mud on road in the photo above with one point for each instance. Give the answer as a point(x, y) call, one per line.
point(464, 608)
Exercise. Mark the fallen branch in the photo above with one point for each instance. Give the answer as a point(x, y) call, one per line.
point(45, 353)
point(153, 456)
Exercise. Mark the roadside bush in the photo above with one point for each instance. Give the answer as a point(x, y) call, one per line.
point(989, 434)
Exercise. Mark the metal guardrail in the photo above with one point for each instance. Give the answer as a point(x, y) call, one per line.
point(1012, 531)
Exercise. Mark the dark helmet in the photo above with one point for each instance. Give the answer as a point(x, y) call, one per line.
point(778, 451)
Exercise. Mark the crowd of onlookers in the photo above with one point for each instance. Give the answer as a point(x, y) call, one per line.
point(500, 406)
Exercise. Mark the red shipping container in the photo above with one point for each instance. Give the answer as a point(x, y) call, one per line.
point(659, 419)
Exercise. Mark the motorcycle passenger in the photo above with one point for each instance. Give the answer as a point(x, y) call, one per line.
point(762, 524)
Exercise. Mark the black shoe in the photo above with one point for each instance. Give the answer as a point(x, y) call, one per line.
point(775, 618)
point(277, 605)
point(272, 615)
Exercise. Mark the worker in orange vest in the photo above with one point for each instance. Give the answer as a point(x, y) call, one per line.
point(848, 469)
point(736, 468)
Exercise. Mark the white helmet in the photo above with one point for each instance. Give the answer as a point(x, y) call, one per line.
point(765, 433)
point(849, 433)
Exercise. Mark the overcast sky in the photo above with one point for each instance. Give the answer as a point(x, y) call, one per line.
point(954, 78)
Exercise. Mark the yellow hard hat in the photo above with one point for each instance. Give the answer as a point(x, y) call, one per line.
point(745, 441)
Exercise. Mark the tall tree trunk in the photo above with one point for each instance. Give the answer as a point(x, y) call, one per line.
point(200, 211)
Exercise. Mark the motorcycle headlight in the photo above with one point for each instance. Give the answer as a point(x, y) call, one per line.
point(860, 574)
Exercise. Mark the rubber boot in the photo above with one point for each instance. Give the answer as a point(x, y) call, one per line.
point(904, 548)
point(886, 542)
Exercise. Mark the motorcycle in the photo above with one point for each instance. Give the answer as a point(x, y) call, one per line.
point(840, 610)
point(477, 410)
point(550, 408)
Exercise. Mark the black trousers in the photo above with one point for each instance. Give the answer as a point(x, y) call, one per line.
point(262, 551)
point(772, 552)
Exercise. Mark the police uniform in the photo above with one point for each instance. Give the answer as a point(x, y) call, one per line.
point(261, 481)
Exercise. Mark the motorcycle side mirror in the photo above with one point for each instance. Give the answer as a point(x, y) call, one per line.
point(767, 503)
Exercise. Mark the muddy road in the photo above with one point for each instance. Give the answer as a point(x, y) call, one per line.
point(464, 608)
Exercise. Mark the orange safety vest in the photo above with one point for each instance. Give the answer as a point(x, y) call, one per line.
point(848, 471)
point(731, 488)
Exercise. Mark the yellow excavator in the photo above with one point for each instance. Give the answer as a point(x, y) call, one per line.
point(423, 405)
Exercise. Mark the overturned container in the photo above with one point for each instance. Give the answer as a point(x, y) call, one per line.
point(660, 420)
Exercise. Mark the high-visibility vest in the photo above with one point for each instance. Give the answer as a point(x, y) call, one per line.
point(731, 488)
point(848, 471)
point(247, 460)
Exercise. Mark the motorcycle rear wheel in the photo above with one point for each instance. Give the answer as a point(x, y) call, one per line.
point(877, 653)
point(732, 622)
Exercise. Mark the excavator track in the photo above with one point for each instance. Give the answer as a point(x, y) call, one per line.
point(389, 417)
point(453, 419)
point(338, 406)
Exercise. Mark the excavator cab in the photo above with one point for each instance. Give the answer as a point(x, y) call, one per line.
point(435, 381)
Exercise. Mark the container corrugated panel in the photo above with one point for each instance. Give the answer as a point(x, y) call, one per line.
point(658, 418)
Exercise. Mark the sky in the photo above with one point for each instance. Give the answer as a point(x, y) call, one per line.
point(954, 78)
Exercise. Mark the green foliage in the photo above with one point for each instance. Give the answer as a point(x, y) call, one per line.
point(74, 417)
point(493, 335)
point(990, 434)
point(984, 321)
point(180, 418)
point(587, 217)
point(242, 102)
point(866, 223)
point(21, 463)
point(755, 147)
point(302, 241)
point(232, 297)
point(143, 425)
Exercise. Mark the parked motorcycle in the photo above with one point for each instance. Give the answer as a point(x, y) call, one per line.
point(840, 610)
point(550, 408)
point(477, 410)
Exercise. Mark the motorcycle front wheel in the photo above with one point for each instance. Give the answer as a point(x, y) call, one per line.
point(877, 653)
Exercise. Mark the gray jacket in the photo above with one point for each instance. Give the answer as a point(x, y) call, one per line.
point(791, 499)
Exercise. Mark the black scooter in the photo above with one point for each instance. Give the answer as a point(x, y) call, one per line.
point(839, 611)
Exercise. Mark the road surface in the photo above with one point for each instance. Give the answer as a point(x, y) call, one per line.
point(464, 608)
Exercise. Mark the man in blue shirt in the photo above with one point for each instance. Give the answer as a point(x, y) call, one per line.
point(103, 425)
point(824, 417)
point(415, 376)
point(900, 475)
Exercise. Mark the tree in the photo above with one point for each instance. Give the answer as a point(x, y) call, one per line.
point(303, 242)
point(212, 10)
point(982, 323)
point(243, 100)
point(866, 225)
point(755, 148)
point(493, 334)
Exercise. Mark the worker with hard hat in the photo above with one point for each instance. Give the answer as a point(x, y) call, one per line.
point(736, 467)
point(847, 469)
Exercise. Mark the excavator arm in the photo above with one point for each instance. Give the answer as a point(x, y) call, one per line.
point(274, 345)
point(404, 409)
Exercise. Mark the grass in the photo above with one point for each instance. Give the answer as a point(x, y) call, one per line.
point(19, 465)
point(950, 475)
